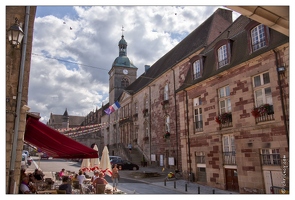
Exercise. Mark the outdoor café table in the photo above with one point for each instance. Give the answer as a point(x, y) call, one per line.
point(47, 192)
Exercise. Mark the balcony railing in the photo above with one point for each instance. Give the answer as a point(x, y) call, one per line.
point(199, 126)
point(264, 118)
point(229, 158)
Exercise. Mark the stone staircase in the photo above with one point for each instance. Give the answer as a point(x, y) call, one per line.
point(135, 156)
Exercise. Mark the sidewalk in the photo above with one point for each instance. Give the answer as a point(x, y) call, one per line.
point(179, 185)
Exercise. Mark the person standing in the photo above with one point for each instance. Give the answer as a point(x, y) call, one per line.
point(115, 177)
point(130, 147)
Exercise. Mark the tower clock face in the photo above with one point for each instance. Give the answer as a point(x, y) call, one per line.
point(125, 71)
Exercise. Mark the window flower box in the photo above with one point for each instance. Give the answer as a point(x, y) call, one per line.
point(223, 118)
point(166, 135)
point(264, 109)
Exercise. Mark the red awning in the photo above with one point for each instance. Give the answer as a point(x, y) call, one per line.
point(54, 143)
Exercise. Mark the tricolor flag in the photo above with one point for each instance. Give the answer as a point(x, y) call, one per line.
point(112, 108)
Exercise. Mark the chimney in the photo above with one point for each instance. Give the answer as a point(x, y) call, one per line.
point(146, 67)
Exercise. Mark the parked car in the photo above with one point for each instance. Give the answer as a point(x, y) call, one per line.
point(125, 164)
point(44, 156)
point(112, 158)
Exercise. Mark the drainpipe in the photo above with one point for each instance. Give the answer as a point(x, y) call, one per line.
point(150, 124)
point(176, 123)
point(12, 189)
point(188, 140)
point(282, 99)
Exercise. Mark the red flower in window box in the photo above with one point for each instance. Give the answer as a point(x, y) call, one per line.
point(223, 118)
point(262, 110)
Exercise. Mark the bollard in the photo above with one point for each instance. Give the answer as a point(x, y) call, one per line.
point(174, 184)
point(186, 187)
point(213, 191)
point(164, 182)
point(199, 190)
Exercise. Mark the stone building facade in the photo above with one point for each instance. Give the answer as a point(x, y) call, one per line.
point(18, 61)
point(196, 108)
point(234, 113)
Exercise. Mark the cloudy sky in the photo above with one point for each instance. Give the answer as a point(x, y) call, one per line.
point(74, 48)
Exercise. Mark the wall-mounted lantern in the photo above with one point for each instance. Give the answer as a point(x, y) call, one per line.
point(15, 34)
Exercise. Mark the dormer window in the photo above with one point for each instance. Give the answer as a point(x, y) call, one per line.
point(197, 69)
point(222, 56)
point(166, 92)
point(258, 37)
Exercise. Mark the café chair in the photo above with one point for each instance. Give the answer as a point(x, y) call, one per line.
point(100, 188)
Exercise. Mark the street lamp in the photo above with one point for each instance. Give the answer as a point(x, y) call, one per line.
point(15, 34)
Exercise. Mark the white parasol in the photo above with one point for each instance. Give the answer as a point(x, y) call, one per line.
point(85, 165)
point(105, 163)
point(94, 162)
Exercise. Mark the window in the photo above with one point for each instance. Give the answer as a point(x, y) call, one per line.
point(200, 157)
point(270, 157)
point(197, 69)
point(136, 107)
point(166, 92)
point(258, 37)
point(167, 124)
point(146, 102)
point(124, 82)
point(229, 150)
point(224, 100)
point(198, 119)
point(262, 90)
point(222, 56)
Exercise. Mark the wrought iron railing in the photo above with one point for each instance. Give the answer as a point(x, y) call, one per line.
point(229, 158)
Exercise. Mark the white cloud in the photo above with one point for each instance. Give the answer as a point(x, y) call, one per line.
point(84, 44)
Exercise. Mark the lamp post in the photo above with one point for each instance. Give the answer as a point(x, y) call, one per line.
point(15, 34)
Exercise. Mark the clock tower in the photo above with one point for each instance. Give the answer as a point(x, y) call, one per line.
point(122, 73)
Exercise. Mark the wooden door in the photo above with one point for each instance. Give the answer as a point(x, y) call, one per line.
point(232, 183)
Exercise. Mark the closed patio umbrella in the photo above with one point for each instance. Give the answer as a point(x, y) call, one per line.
point(94, 162)
point(105, 163)
point(85, 165)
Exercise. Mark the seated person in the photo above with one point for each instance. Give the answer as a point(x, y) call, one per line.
point(38, 175)
point(99, 180)
point(96, 173)
point(22, 173)
point(62, 173)
point(66, 185)
point(26, 187)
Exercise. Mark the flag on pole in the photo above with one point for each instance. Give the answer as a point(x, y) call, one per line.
point(112, 108)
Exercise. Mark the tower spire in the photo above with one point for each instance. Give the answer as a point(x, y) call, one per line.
point(122, 30)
